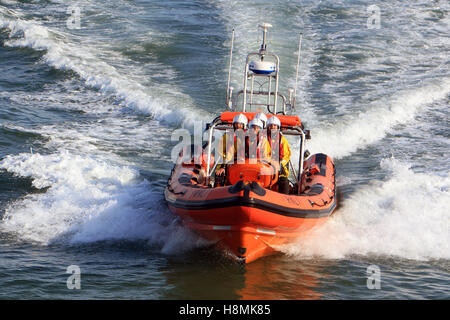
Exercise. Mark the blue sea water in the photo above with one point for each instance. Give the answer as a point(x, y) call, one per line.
point(87, 114)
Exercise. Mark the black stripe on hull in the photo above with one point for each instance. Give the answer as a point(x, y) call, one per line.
point(252, 203)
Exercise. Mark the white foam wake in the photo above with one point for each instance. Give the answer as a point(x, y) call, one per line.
point(406, 216)
point(112, 140)
point(361, 130)
point(84, 60)
point(89, 200)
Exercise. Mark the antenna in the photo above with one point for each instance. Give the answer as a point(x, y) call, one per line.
point(298, 63)
point(229, 70)
point(264, 26)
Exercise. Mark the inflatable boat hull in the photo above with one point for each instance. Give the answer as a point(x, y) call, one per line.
point(248, 221)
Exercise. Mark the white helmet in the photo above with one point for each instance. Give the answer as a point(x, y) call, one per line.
point(274, 120)
point(261, 116)
point(256, 122)
point(240, 118)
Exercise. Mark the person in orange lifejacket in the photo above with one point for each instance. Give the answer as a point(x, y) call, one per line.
point(257, 146)
point(228, 145)
point(281, 152)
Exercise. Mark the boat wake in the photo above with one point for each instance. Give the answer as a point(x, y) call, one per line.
point(405, 216)
point(357, 132)
point(90, 193)
point(64, 53)
point(90, 200)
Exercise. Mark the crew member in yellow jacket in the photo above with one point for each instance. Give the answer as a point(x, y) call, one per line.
point(281, 152)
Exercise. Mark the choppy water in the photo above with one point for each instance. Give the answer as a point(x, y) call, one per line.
point(86, 117)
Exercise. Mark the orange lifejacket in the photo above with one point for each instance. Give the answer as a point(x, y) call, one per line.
point(257, 147)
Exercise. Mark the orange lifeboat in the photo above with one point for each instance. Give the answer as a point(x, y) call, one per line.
point(244, 214)
point(246, 217)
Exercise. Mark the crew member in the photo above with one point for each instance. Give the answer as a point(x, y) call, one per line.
point(281, 152)
point(257, 145)
point(229, 144)
point(261, 116)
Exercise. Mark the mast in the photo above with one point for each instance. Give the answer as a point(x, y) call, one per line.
point(263, 48)
point(267, 70)
point(229, 93)
point(298, 64)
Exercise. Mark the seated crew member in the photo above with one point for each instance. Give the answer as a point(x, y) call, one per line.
point(261, 116)
point(257, 145)
point(228, 144)
point(280, 145)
